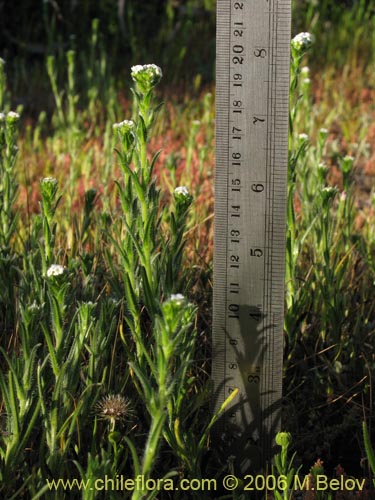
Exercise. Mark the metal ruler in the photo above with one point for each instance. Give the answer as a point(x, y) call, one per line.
point(252, 98)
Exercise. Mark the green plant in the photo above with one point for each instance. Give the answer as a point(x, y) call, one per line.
point(284, 467)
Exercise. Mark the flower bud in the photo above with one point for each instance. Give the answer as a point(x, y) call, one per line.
point(328, 193)
point(303, 139)
point(283, 439)
point(322, 172)
point(49, 188)
point(183, 199)
point(346, 164)
point(176, 309)
point(126, 134)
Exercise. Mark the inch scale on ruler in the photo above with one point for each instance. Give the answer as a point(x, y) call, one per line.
point(252, 97)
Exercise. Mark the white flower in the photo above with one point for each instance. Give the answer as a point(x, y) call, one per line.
point(303, 137)
point(323, 131)
point(305, 71)
point(146, 76)
point(177, 297)
point(137, 68)
point(55, 270)
point(13, 114)
point(49, 180)
point(125, 125)
point(125, 130)
point(183, 190)
point(322, 167)
point(346, 165)
point(328, 192)
point(183, 199)
point(12, 117)
point(302, 41)
point(150, 68)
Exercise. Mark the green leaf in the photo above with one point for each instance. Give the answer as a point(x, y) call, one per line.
point(147, 388)
point(136, 464)
point(51, 350)
point(150, 301)
point(152, 165)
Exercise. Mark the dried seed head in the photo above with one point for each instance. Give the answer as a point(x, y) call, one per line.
point(114, 408)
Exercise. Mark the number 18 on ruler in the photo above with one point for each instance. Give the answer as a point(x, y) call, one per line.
point(252, 96)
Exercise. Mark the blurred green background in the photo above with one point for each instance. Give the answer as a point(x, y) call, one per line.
point(178, 35)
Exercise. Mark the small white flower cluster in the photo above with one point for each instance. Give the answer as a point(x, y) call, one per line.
point(151, 69)
point(182, 190)
point(146, 76)
point(176, 297)
point(49, 180)
point(346, 165)
point(125, 130)
point(302, 137)
point(302, 41)
point(124, 126)
point(328, 192)
point(55, 270)
point(329, 189)
point(322, 167)
point(183, 199)
point(12, 117)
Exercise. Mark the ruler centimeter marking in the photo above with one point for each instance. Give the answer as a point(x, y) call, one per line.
point(252, 98)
